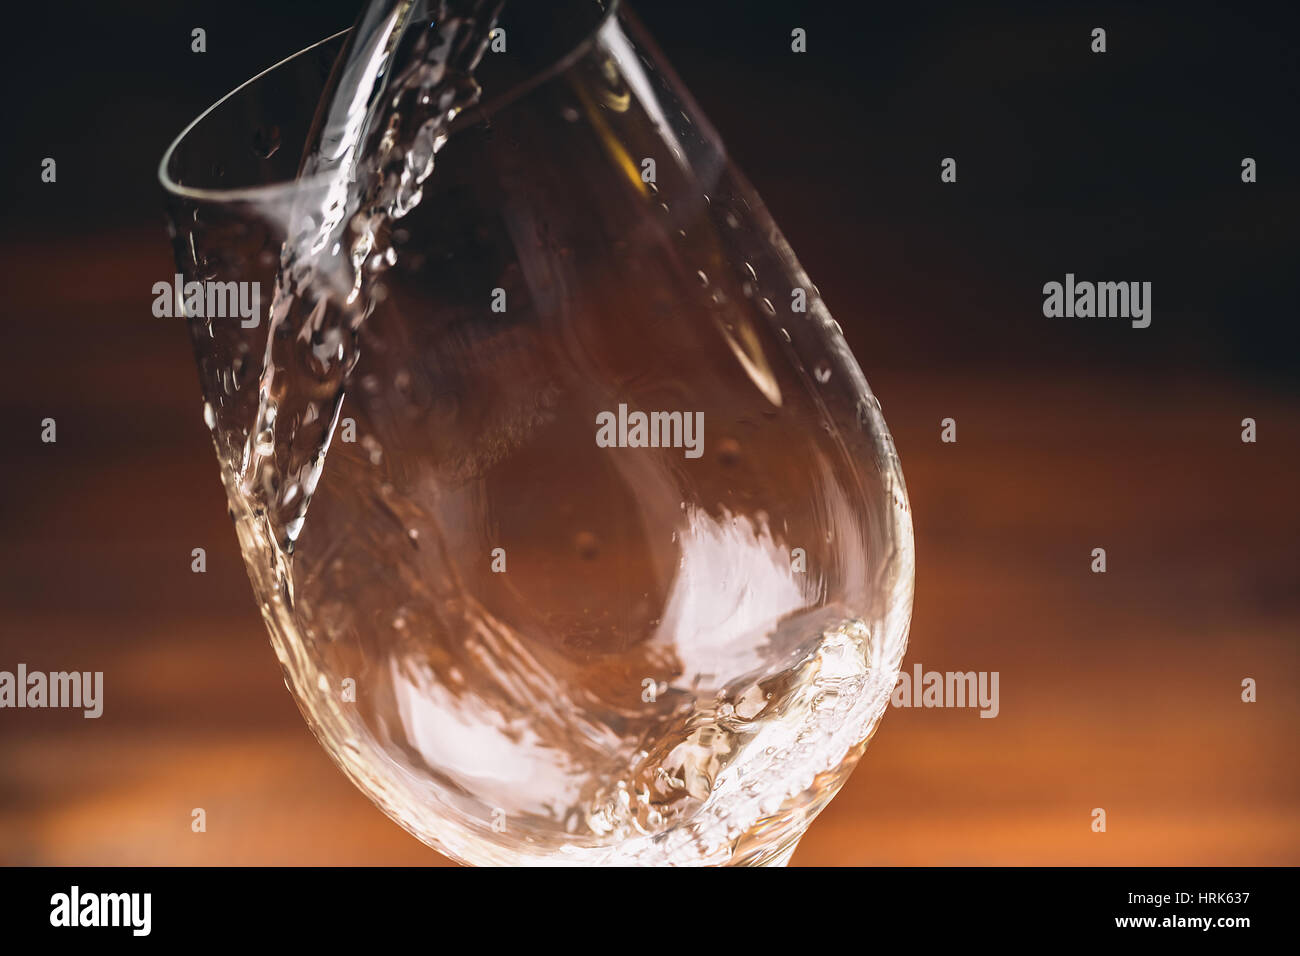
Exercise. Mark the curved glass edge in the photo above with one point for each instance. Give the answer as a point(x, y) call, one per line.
point(264, 192)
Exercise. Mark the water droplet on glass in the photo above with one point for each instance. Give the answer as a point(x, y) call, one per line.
point(729, 451)
point(587, 546)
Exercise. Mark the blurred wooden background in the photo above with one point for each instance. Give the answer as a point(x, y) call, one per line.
point(1119, 690)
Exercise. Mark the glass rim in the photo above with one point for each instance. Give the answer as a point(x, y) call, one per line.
point(267, 190)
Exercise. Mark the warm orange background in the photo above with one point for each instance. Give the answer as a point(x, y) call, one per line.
point(1119, 691)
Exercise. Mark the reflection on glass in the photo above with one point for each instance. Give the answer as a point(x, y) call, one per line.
point(577, 529)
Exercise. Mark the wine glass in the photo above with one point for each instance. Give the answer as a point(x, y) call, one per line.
point(589, 544)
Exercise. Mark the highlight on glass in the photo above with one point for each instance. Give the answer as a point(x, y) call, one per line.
point(578, 532)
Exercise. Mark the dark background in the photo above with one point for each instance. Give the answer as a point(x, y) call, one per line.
point(1118, 690)
point(1119, 165)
